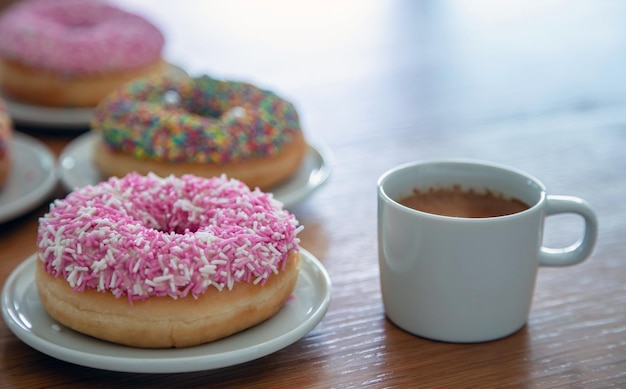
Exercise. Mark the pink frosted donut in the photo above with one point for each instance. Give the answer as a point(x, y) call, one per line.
point(153, 262)
point(76, 39)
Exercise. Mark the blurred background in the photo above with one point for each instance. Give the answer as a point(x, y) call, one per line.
point(470, 62)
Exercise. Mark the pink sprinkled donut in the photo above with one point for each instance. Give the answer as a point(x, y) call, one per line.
point(74, 52)
point(173, 262)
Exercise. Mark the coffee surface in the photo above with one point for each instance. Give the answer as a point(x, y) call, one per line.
point(459, 203)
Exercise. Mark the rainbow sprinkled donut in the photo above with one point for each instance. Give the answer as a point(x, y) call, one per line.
point(176, 124)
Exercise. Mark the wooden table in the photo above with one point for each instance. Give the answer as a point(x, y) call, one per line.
point(536, 85)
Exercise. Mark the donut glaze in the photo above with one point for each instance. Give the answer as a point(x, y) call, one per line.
point(6, 131)
point(142, 236)
point(77, 37)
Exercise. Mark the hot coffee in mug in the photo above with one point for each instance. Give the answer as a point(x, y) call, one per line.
point(460, 243)
point(456, 202)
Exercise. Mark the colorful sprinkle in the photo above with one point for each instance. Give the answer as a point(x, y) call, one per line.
point(177, 118)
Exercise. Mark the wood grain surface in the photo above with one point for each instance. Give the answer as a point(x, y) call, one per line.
point(537, 85)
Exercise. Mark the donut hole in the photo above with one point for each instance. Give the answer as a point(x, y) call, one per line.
point(172, 100)
point(206, 97)
point(75, 23)
point(187, 229)
point(169, 215)
point(227, 116)
point(207, 110)
point(77, 17)
point(178, 227)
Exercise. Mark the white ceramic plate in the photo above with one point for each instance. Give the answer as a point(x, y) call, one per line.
point(49, 117)
point(26, 318)
point(78, 171)
point(32, 179)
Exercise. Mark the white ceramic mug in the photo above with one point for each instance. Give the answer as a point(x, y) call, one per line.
point(467, 279)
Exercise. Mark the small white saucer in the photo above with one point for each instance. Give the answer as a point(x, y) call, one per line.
point(77, 170)
point(49, 118)
point(32, 179)
point(26, 318)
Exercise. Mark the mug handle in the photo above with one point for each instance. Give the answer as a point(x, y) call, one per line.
point(580, 250)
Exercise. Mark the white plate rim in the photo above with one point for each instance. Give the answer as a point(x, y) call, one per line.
point(48, 118)
point(311, 270)
point(22, 144)
point(79, 150)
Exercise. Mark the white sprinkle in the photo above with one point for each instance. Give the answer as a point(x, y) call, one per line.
point(273, 249)
point(230, 281)
point(72, 278)
point(163, 278)
point(137, 289)
point(136, 267)
point(259, 279)
point(113, 280)
point(207, 270)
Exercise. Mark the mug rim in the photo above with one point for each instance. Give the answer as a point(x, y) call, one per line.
point(459, 161)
